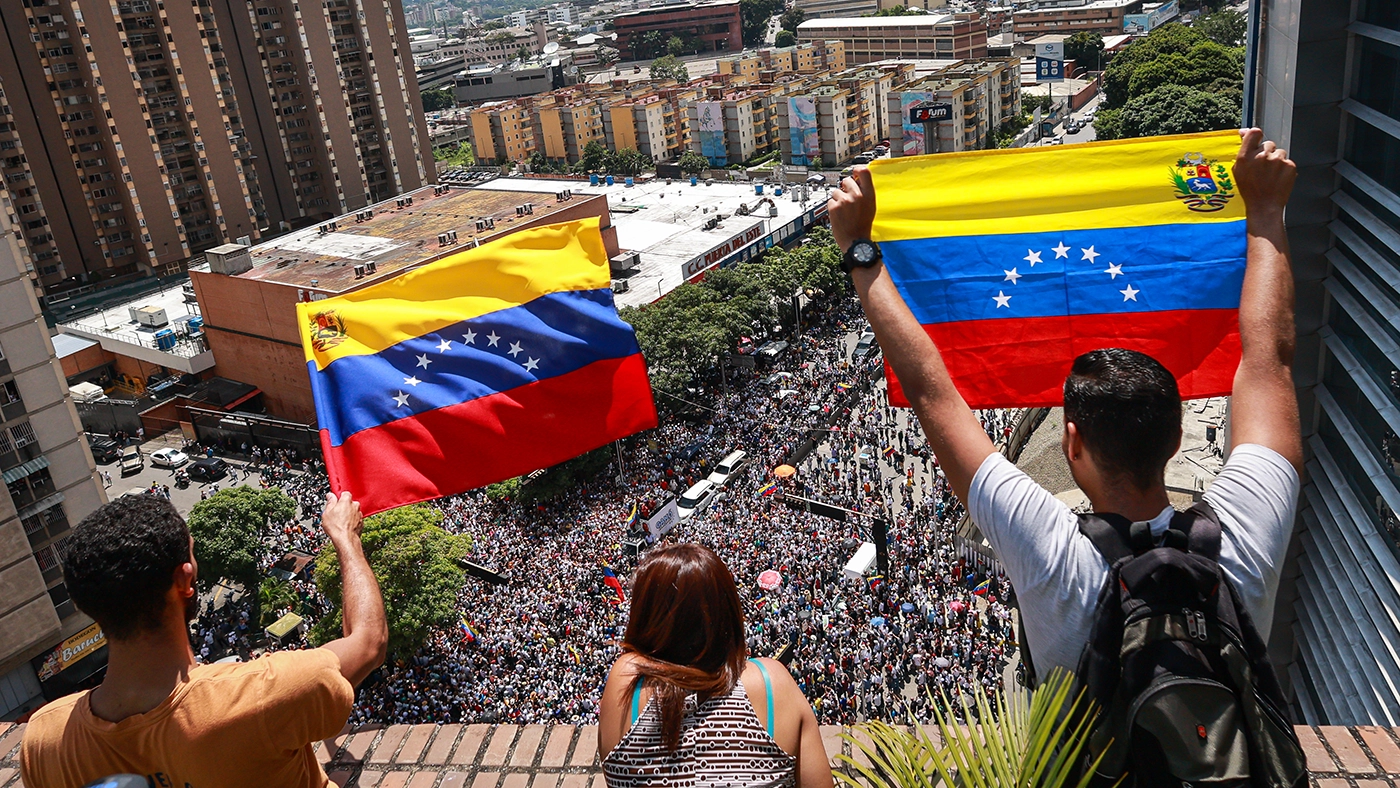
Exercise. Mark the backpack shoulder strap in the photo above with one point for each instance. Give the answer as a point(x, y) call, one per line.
point(1110, 534)
point(1201, 526)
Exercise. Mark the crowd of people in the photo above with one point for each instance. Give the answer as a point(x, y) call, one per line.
point(538, 648)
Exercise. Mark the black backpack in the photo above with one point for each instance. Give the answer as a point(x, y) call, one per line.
point(1186, 693)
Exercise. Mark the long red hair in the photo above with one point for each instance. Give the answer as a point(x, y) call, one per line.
point(686, 630)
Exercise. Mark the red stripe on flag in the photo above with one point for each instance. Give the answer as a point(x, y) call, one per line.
point(462, 447)
point(1023, 362)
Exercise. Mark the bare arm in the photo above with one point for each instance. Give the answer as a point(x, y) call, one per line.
point(1264, 406)
point(953, 432)
point(366, 630)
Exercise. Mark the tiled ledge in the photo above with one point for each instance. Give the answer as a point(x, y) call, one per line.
point(564, 756)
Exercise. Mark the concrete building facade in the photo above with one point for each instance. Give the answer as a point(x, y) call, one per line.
point(50, 483)
point(983, 94)
point(139, 133)
point(716, 24)
point(1096, 16)
point(1324, 90)
point(868, 39)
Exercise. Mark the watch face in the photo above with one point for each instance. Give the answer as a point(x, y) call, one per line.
point(863, 252)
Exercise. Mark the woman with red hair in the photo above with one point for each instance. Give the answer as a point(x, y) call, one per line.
point(685, 706)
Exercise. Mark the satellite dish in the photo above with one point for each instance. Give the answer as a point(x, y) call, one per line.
point(551, 48)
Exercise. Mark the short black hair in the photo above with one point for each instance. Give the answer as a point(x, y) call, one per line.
point(120, 562)
point(1127, 407)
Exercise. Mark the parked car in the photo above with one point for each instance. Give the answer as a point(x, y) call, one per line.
point(864, 346)
point(771, 350)
point(863, 158)
point(168, 458)
point(135, 491)
point(131, 460)
point(727, 466)
point(104, 450)
point(208, 469)
point(700, 495)
point(867, 458)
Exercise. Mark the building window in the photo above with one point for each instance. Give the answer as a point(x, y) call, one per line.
point(1375, 153)
point(1378, 77)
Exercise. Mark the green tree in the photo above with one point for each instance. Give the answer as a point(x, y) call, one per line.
point(785, 38)
point(669, 67)
point(1169, 109)
point(753, 20)
point(1171, 38)
point(228, 530)
point(434, 100)
point(594, 157)
point(653, 42)
point(692, 163)
point(1085, 49)
point(675, 47)
point(275, 595)
point(791, 18)
point(417, 565)
point(522, 52)
point(1226, 27)
point(898, 10)
point(502, 38)
point(628, 161)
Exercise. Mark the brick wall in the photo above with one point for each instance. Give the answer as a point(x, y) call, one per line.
point(564, 756)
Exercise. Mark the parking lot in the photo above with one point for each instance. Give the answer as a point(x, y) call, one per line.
point(118, 484)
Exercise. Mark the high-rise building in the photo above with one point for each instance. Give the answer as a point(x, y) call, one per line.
point(50, 482)
point(868, 39)
point(136, 134)
point(1325, 91)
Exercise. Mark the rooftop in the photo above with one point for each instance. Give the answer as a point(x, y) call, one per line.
point(919, 20)
point(664, 222)
point(394, 238)
point(674, 7)
point(118, 331)
point(563, 756)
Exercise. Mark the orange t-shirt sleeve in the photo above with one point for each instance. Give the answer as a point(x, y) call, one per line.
point(305, 699)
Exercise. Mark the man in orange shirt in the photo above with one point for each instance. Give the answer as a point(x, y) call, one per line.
point(130, 565)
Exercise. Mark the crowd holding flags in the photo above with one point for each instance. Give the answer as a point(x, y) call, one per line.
point(981, 589)
point(611, 581)
point(631, 519)
point(768, 489)
point(468, 634)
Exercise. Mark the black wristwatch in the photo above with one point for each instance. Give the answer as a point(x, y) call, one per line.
point(864, 253)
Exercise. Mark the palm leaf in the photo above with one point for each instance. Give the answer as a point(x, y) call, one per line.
point(1021, 740)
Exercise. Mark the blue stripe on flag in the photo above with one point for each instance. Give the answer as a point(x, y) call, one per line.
point(1119, 270)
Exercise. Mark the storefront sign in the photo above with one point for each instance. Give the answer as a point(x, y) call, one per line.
point(71, 650)
point(712, 257)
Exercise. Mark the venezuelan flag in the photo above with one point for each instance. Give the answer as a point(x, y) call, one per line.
point(767, 489)
point(610, 580)
point(1017, 261)
point(486, 365)
point(631, 519)
point(982, 587)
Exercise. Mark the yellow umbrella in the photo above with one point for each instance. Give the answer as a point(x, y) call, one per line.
point(784, 471)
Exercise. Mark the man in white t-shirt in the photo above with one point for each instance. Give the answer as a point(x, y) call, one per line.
point(1122, 425)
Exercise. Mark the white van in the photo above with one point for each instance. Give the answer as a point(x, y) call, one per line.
point(727, 467)
point(696, 498)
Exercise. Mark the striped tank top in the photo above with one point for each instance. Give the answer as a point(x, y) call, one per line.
point(722, 743)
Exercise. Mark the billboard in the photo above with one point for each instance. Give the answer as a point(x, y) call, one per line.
point(661, 523)
point(1050, 62)
point(1140, 24)
point(65, 654)
point(711, 132)
point(802, 130)
point(913, 144)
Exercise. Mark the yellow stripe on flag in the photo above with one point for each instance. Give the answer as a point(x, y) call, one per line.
point(498, 275)
point(1118, 183)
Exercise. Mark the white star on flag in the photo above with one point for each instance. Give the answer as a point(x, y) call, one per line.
point(401, 401)
point(423, 361)
point(492, 339)
point(531, 364)
point(1011, 276)
point(1130, 294)
point(411, 381)
point(444, 346)
point(1060, 251)
point(469, 338)
point(1032, 257)
point(1089, 254)
point(1113, 270)
point(515, 349)
point(1002, 299)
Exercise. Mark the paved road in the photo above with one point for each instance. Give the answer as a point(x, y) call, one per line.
point(185, 499)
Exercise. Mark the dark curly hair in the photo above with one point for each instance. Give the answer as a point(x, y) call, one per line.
point(120, 561)
point(1128, 409)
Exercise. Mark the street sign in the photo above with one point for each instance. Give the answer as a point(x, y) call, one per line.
point(930, 113)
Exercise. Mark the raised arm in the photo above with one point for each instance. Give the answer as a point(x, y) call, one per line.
point(366, 630)
point(953, 431)
point(1264, 406)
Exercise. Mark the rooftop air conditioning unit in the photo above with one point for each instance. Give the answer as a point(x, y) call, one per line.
point(330, 228)
point(359, 272)
point(519, 210)
point(408, 201)
point(529, 208)
point(153, 316)
point(490, 223)
point(370, 267)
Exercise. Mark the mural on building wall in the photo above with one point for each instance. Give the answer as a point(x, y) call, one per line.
point(711, 132)
point(913, 144)
point(802, 130)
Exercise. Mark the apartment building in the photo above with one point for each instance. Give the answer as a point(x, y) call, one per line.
point(984, 94)
point(868, 39)
point(831, 121)
point(768, 65)
point(654, 123)
point(139, 133)
point(717, 25)
point(565, 124)
point(50, 483)
point(733, 125)
point(1105, 17)
point(503, 132)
